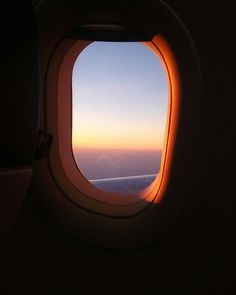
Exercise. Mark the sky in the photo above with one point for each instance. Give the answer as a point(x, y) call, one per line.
point(119, 98)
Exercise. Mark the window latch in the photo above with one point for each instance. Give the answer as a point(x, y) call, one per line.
point(44, 143)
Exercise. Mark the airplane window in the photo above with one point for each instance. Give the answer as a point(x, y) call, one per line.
point(119, 115)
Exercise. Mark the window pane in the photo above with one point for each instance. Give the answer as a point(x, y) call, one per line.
point(120, 105)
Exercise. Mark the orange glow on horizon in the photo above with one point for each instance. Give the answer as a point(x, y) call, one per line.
point(116, 141)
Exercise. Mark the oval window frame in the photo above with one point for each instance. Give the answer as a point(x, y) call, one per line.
point(125, 226)
point(72, 182)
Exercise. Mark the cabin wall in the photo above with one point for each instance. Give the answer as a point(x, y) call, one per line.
point(198, 255)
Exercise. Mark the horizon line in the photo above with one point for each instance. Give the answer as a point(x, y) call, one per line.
point(115, 149)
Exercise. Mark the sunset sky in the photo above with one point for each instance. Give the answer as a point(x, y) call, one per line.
point(119, 97)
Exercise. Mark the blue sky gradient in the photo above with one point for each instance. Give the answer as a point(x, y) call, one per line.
point(119, 88)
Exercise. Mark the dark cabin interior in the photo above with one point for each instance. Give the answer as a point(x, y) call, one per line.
point(197, 255)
